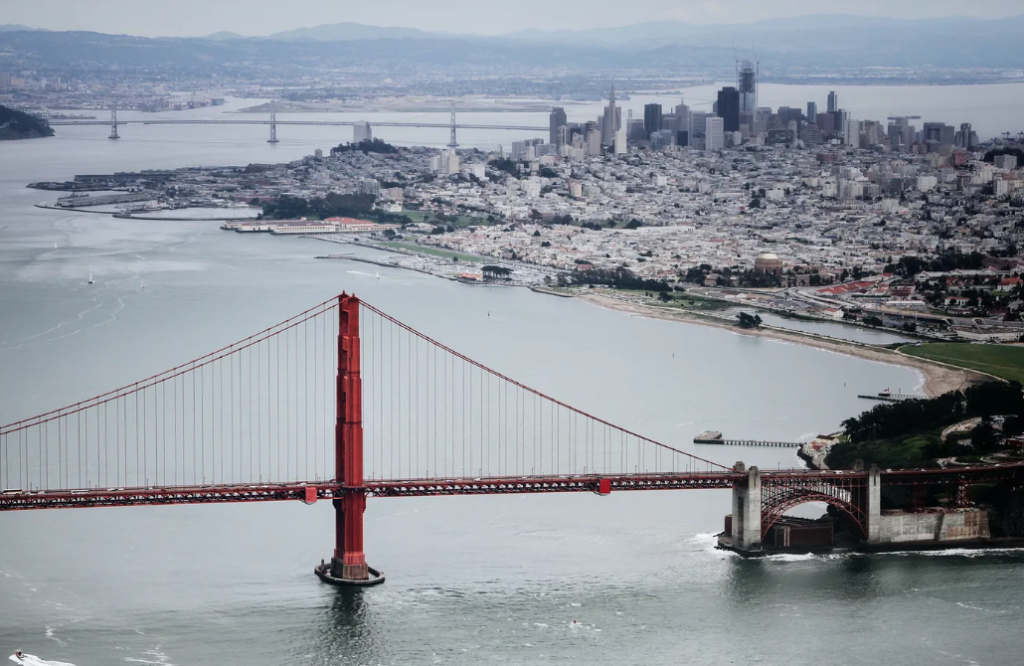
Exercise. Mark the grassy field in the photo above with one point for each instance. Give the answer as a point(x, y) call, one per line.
point(1000, 360)
point(432, 251)
point(459, 222)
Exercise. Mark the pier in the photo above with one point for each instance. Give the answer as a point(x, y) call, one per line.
point(715, 437)
point(892, 397)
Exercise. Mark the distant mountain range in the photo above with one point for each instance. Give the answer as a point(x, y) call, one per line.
point(661, 32)
point(844, 45)
point(14, 27)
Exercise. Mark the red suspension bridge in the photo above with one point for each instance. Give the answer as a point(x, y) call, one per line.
point(343, 402)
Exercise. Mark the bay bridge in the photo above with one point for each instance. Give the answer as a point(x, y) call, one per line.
point(343, 402)
point(452, 126)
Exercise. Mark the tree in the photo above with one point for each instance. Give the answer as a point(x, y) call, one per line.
point(872, 320)
point(374, 145)
point(664, 297)
point(492, 272)
point(748, 320)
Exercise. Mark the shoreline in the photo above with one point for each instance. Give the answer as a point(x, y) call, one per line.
point(938, 379)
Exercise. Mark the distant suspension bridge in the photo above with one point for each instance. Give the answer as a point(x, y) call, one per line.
point(273, 122)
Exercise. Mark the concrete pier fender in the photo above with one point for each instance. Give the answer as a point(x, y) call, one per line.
point(323, 572)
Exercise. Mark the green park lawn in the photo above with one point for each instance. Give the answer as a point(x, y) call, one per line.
point(1004, 361)
point(434, 251)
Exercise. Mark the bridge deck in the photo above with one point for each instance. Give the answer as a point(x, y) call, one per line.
point(15, 499)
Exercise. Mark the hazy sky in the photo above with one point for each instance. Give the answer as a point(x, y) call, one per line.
point(261, 17)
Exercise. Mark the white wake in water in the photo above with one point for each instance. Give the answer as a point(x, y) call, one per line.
point(32, 660)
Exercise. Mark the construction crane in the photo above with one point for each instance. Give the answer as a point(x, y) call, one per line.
point(736, 57)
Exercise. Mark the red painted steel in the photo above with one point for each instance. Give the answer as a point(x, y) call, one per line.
point(349, 562)
point(604, 487)
point(20, 500)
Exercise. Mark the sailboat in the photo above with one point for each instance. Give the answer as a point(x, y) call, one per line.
point(90, 278)
point(142, 284)
point(378, 275)
point(54, 245)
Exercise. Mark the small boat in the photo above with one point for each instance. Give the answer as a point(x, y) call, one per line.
point(90, 278)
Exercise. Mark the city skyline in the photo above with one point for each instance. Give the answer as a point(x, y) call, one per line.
point(191, 18)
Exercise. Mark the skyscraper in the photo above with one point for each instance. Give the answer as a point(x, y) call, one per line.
point(747, 85)
point(715, 139)
point(555, 120)
point(611, 121)
point(833, 102)
point(729, 108)
point(683, 128)
point(812, 112)
point(361, 131)
point(652, 119)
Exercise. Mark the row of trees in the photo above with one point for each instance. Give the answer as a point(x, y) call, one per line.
point(619, 278)
point(333, 205)
point(365, 146)
point(946, 261)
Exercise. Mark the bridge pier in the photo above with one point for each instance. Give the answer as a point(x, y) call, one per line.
point(874, 505)
point(746, 512)
point(348, 566)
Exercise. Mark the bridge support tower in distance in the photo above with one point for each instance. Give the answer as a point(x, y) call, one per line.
point(113, 123)
point(348, 566)
point(273, 125)
point(452, 143)
point(746, 511)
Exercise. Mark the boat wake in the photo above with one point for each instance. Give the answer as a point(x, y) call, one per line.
point(32, 660)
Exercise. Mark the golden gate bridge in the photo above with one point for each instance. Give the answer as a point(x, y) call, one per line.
point(343, 402)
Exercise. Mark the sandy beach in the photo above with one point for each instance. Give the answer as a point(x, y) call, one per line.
point(939, 378)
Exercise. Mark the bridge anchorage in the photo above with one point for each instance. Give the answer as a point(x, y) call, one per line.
point(760, 499)
point(343, 402)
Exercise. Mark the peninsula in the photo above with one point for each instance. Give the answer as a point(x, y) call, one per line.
point(19, 125)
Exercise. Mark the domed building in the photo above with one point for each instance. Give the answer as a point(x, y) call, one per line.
point(768, 263)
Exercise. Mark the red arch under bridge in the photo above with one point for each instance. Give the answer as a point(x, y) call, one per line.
point(343, 402)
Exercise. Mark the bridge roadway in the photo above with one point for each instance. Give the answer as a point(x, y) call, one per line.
point(312, 491)
point(321, 123)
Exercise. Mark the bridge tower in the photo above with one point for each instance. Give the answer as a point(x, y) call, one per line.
point(452, 143)
point(746, 510)
point(348, 566)
point(273, 125)
point(113, 123)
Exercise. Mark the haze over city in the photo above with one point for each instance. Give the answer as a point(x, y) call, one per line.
point(195, 18)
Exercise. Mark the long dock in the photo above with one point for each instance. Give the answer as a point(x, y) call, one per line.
point(892, 397)
point(745, 442)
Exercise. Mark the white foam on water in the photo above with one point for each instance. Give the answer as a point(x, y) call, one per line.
point(968, 606)
point(52, 635)
point(957, 552)
point(33, 660)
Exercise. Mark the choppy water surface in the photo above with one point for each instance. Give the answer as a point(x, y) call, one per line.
point(629, 578)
